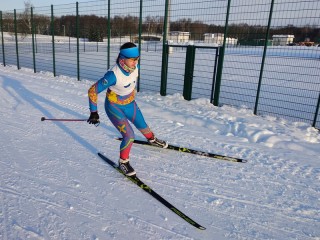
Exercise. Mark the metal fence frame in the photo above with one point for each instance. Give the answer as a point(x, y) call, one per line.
point(268, 92)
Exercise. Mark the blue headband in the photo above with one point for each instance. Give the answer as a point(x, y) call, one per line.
point(130, 52)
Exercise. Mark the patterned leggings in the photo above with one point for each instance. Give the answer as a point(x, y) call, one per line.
point(119, 116)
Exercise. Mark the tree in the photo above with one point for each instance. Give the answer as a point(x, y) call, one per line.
point(24, 20)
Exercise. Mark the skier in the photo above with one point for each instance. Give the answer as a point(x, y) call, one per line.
point(120, 105)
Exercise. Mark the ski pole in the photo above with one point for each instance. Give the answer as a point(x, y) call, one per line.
point(67, 120)
point(62, 119)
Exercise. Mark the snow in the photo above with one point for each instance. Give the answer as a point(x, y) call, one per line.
point(54, 186)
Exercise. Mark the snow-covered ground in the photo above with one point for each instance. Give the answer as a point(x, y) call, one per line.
point(54, 186)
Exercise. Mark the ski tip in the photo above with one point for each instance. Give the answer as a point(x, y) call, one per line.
point(100, 154)
point(202, 228)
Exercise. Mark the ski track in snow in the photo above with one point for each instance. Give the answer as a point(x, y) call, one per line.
point(54, 186)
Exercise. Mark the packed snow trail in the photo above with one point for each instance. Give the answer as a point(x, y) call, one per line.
point(54, 186)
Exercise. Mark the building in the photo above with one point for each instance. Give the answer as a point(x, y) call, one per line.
point(178, 36)
point(282, 40)
point(217, 38)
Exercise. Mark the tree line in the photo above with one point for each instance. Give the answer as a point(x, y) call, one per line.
point(95, 28)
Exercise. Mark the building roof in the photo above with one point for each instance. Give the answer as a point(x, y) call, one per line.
point(283, 36)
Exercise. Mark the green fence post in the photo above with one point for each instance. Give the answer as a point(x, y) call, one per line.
point(188, 72)
point(316, 113)
point(214, 77)
point(77, 32)
point(35, 39)
point(98, 41)
point(33, 43)
point(140, 32)
point(165, 52)
point(221, 59)
point(16, 36)
point(164, 70)
point(2, 40)
point(53, 46)
point(84, 43)
point(70, 29)
point(263, 59)
point(109, 33)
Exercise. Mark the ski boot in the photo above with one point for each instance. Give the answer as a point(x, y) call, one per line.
point(158, 143)
point(126, 168)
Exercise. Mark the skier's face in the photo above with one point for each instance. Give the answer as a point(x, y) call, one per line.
point(131, 62)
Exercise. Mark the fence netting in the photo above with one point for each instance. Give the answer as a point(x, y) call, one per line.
point(263, 55)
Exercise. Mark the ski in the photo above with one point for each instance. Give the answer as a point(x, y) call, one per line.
point(192, 151)
point(147, 189)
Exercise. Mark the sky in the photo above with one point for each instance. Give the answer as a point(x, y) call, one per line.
point(53, 185)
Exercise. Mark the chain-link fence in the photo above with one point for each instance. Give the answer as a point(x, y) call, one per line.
point(261, 54)
point(275, 66)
